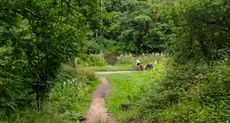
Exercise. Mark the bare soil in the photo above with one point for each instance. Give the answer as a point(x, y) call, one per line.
point(98, 111)
point(113, 72)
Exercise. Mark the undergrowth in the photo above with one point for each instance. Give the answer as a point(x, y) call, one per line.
point(92, 60)
point(188, 93)
point(67, 101)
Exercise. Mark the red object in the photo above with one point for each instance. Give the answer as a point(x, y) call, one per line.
point(141, 67)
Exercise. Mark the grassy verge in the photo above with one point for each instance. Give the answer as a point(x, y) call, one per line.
point(119, 67)
point(68, 100)
point(72, 101)
point(65, 107)
point(125, 90)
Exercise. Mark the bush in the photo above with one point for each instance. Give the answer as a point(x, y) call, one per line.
point(68, 97)
point(67, 101)
point(86, 73)
point(111, 57)
point(195, 92)
point(92, 60)
point(125, 59)
point(64, 97)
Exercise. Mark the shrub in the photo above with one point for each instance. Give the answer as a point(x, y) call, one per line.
point(125, 59)
point(86, 73)
point(111, 57)
point(195, 92)
point(64, 97)
point(92, 60)
point(67, 101)
point(97, 60)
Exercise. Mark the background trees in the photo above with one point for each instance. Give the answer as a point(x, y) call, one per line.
point(139, 26)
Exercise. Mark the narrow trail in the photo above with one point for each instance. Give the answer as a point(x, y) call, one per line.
point(98, 111)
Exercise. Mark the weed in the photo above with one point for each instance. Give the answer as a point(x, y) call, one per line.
point(68, 100)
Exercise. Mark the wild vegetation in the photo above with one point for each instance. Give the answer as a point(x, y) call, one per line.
point(49, 50)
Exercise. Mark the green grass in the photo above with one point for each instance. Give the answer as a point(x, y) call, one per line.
point(120, 67)
point(86, 97)
point(126, 88)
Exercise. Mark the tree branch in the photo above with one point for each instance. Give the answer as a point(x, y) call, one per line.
point(24, 12)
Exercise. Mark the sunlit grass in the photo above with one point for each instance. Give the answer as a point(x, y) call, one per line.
point(120, 67)
point(126, 88)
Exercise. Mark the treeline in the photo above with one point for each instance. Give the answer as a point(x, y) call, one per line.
point(155, 26)
point(137, 26)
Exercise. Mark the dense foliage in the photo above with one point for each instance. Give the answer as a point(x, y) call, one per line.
point(196, 85)
point(68, 100)
point(38, 37)
point(138, 26)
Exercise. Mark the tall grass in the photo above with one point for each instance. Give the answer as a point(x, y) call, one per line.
point(67, 102)
point(144, 58)
point(92, 60)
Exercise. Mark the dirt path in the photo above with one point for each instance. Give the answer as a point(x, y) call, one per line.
point(98, 111)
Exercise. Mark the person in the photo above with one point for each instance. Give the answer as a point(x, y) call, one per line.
point(149, 66)
point(140, 66)
point(138, 62)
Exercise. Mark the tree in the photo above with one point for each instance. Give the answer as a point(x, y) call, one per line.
point(36, 38)
point(140, 30)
